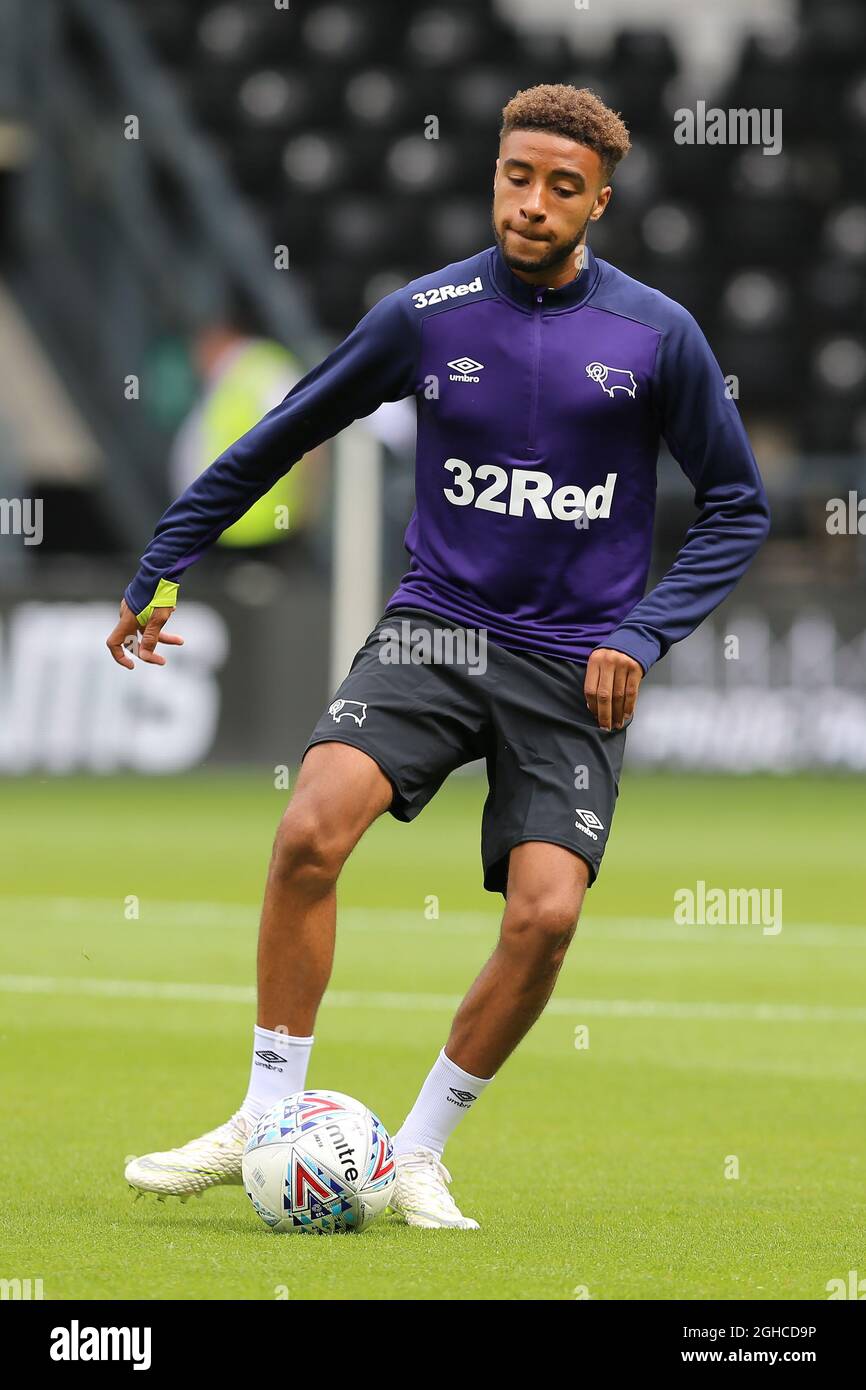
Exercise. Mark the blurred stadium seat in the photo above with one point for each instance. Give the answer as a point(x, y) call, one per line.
point(333, 99)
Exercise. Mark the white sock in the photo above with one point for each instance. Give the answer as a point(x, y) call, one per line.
point(279, 1068)
point(446, 1096)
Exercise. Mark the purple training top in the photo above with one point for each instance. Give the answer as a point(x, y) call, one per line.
point(540, 414)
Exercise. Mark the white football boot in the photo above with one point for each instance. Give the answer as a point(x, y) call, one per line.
point(420, 1194)
point(210, 1161)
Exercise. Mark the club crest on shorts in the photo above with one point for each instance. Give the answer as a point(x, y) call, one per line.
point(612, 379)
point(348, 709)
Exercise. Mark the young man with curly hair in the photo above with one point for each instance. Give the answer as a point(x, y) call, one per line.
point(544, 379)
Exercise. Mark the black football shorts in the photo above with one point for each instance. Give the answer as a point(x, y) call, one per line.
point(425, 696)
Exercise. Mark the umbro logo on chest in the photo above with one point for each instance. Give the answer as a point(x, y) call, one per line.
point(465, 369)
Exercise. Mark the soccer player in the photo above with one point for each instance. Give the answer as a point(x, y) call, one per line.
point(544, 380)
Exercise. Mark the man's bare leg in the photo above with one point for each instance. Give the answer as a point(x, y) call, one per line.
point(340, 791)
point(546, 885)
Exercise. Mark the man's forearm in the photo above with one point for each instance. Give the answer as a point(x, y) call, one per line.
point(375, 363)
point(717, 551)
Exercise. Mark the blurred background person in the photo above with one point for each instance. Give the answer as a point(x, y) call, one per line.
point(243, 376)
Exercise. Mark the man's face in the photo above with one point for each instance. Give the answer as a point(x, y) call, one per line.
point(546, 191)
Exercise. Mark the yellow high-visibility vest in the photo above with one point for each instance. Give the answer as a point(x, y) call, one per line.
point(236, 402)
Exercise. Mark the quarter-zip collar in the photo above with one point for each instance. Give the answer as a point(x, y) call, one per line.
point(510, 286)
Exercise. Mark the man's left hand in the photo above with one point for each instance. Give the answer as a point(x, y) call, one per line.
point(611, 686)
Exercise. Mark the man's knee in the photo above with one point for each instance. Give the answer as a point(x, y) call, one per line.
point(543, 923)
point(308, 846)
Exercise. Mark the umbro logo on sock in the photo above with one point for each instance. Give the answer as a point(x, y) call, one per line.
point(271, 1057)
point(464, 1098)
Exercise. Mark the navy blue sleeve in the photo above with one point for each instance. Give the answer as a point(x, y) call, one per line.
point(375, 363)
point(704, 432)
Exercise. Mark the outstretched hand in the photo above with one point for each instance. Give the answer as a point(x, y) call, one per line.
point(128, 637)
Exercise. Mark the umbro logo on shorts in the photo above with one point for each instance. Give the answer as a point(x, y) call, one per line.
point(348, 709)
point(589, 823)
point(464, 1098)
point(271, 1057)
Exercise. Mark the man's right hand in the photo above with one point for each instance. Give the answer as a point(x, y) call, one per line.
point(122, 640)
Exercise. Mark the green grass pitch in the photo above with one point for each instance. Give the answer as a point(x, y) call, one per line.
point(596, 1171)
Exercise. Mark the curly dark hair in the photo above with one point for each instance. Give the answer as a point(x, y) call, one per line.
point(575, 112)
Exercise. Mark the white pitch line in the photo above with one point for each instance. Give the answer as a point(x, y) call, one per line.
point(409, 920)
point(180, 991)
